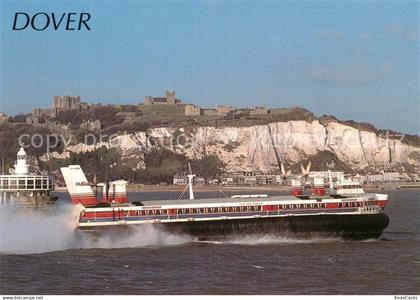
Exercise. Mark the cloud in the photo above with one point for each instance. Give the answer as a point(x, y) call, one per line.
point(330, 34)
point(398, 30)
point(354, 74)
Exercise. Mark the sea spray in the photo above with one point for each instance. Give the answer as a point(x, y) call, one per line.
point(26, 231)
point(136, 236)
point(264, 239)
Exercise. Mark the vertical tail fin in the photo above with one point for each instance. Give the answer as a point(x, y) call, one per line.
point(78, 186)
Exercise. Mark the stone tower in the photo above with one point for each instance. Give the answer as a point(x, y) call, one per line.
point(170, 97)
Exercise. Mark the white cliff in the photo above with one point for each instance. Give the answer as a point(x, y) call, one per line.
point(251, 148)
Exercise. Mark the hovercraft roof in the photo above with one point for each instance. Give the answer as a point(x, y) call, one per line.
point(216, 200)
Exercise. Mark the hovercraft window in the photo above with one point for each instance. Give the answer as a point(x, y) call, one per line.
point(21, 184)
point(13, 184)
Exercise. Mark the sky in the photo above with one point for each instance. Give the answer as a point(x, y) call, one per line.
point(355, 60)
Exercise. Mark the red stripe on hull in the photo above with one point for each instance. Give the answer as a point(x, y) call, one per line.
point(270, 207)
point(332, 205)
point(382, 203)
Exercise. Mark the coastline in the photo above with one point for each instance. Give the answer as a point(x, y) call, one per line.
point(200, 188)
point(215, 188)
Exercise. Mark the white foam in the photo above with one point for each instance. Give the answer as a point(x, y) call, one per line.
point(138, 236)
point(24, 231)
point(258, 239)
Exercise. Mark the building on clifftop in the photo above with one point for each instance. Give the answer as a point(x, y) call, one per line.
point(170, 98)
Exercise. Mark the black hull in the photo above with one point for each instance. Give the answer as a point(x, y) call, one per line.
point(357, 227)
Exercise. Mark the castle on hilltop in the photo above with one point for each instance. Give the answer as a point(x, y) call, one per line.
point(66, 103)
point(169, 99)
point(194, 110)
point(59, 103)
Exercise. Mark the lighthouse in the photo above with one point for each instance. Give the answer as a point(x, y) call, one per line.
point(21, 165)
point(20, 187)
